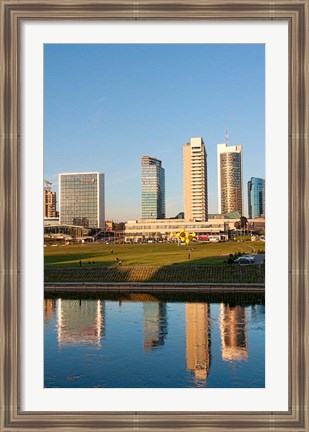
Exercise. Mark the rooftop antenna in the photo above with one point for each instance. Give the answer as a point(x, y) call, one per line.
point(227, 137)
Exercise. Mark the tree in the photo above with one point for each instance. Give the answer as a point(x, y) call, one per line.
point(243, 223)
point(119, 226)
point(237, 225)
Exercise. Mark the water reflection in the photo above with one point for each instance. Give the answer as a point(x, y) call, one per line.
point(201, 341)
point(257, 311)
point(83, 322)
point(49, 309)
point(80, 322)
point(155, 325)
point(233, 326)
point(198, 339)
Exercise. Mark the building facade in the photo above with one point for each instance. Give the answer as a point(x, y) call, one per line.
point(156, 230)
point(195, 181)
point(49, 204)
point(256, 197)
point(153, 188)
point(230, 197)
point(81, 200)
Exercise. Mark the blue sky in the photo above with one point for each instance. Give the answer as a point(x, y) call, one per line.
point(107, 105)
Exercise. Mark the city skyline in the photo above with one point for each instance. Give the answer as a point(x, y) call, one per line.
point(107, 105)
point(195, 188)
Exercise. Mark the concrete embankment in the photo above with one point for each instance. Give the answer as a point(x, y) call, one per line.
point(171, 281)
point(153, 288)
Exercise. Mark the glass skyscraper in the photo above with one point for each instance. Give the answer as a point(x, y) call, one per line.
point(256, 197)
point(81, 200)
point(153, 188)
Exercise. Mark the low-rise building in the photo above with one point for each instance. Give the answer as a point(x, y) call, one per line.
point(51, 221)
point(161, 229)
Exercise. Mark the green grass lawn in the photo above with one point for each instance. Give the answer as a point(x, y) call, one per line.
point(157, 254)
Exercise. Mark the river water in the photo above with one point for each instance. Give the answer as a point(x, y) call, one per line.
point(148, 343)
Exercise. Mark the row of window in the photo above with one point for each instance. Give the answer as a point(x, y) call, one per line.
point(172, 227)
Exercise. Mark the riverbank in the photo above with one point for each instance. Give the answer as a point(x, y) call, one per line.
point(195, 274)
point(244, 295)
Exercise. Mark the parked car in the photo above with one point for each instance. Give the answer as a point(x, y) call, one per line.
point(242, 260)
point(249, 257)
point(213, 239)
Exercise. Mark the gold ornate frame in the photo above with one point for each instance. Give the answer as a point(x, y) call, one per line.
point(296, 13)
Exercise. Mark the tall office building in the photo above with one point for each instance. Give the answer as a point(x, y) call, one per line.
point(195, 180)
point(49, 203)
point(256, 197)
point(82, 199)
point(153, 188)
point(229, 179)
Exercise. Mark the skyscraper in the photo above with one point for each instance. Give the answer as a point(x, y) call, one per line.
point(49, 204)
point(229, 179)
point(256, 197)
point(195, 180)
point(153, 188)
point(49, 200)
point(82, 199)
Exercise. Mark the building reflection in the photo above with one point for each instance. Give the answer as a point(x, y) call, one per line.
point(233, 327)
point(198, 339)
point(257, 312)
point(81, 322)
point(155, 325)
point(49, 309)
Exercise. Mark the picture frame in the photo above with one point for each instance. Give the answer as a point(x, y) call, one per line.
point(295, 12)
